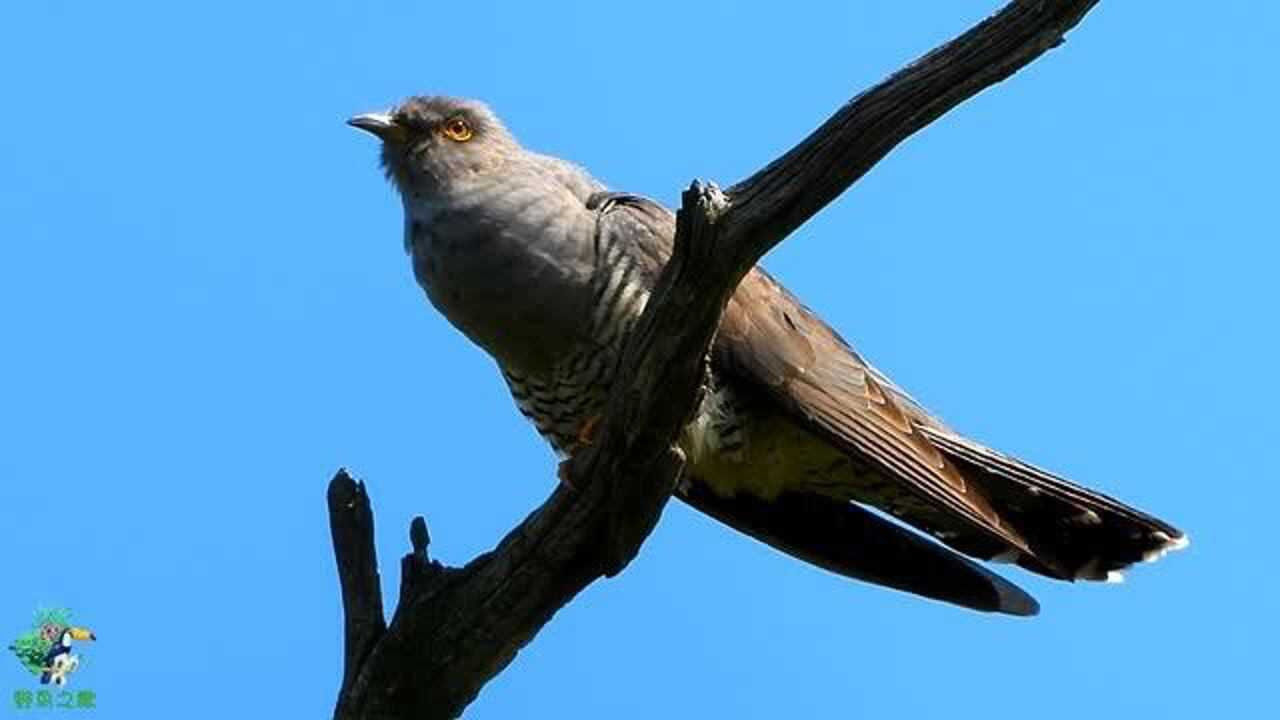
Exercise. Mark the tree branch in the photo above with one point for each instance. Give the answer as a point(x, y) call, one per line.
point(790, 190)
point(455, 629)
point(351, 526)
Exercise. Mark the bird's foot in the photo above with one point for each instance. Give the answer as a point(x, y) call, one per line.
point(586, 437)
point(587, 432)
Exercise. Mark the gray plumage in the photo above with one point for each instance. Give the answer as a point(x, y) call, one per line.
point(547, 270)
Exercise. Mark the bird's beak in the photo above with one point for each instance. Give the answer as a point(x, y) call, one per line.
point(82, 634)
point(380, 124)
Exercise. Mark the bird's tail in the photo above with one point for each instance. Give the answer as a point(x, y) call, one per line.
point(1075, 533)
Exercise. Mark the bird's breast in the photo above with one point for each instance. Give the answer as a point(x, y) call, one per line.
point(521, 300)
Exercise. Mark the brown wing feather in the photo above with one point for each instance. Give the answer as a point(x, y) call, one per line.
point(771, 340)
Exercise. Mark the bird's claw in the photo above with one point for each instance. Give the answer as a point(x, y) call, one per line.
point(586, 437)
point(587, 431)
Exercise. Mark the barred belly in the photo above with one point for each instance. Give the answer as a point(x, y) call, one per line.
point(560, 404)
point(734, 442)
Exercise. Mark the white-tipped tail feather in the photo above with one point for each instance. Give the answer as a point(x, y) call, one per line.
point(1171, 545)
point(1074, 533)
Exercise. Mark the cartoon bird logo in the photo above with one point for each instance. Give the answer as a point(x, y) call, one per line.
point(45, 649)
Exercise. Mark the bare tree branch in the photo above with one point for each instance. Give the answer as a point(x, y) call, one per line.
point(455, 629)
point(351, 526)
point(790, 190)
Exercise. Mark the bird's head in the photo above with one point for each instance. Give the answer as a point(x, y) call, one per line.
point(430, 144)
point(76, 633)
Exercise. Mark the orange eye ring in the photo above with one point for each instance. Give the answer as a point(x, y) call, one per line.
point(458, 130)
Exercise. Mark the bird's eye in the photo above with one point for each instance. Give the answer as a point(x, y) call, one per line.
point(458, 130)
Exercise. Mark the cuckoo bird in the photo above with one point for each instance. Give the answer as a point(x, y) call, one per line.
point(798, 441)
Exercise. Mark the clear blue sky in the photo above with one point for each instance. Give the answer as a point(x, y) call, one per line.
point(205, 310)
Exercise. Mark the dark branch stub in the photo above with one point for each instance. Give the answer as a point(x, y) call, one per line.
point(456, 628)
point(351, 526)
point(416, 569)
point(419, 537)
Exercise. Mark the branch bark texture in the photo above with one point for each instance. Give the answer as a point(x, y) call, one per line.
point(454, 629)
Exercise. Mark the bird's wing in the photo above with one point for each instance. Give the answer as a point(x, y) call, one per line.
point(974, 499)
point(846, 539)
point(769, 340)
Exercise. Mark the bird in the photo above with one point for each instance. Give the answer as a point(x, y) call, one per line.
point(59, 662)
point(797, 441)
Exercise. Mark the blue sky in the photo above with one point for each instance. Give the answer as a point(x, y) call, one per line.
point(205, 310)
